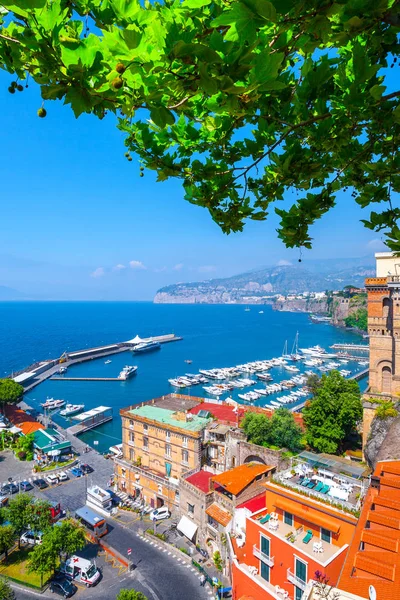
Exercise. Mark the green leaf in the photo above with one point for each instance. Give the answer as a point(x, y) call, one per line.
point(263, 8)
point(54, 91)
point(241, 21)
point(396, 114)
point(79, 99)
point(196, 3)
point(377, 91)
point(266, 66)
point(162, 116)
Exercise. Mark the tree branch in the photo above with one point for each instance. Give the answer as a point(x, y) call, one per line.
point(9, 39)
point(390, 96)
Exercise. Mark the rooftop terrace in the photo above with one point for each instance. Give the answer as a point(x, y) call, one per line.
point(169, 417)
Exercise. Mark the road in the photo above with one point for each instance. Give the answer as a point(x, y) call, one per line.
point(158, 573)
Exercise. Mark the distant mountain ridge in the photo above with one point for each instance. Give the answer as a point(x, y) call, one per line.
point(268, 281)
point(7, 293)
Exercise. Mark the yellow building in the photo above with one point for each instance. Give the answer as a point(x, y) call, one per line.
point(161, 440)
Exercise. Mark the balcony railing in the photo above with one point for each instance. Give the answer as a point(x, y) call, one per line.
point(268, 560)
point(149, 474)
point(296, 580)
point(393, 279)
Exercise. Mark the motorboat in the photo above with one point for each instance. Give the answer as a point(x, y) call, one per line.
point(127, 372)
point(71, 409)
point(52, 404)
point(107, 362)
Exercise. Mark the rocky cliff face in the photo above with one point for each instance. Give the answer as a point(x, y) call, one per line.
point(311, 305)
point(383, 441)
point(342, 308)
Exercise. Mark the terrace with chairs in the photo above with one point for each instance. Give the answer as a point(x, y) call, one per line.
point(332, 485)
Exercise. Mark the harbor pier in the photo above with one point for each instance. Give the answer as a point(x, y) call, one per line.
point(90, 419)
point(40, 371)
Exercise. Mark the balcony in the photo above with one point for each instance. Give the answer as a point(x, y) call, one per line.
point(159, 479)
point(296, 580)
point(268, 560)
point(393, 280)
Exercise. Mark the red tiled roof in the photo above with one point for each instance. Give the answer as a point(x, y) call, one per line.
point(222, 412)
point(219, 514)
point(201, 480)
point(378, 562)
point(255, 504)
point(237, 479)
point(21, 419)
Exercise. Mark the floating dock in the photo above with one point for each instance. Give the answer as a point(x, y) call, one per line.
point(361, 347)
point(90, 419)
point(86, 379)
point(39, 372)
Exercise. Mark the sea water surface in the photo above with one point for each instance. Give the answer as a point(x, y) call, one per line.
point(213, 336)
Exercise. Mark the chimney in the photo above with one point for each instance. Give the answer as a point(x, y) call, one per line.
point(375, 482)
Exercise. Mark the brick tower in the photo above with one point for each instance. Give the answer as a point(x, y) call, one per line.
point(384, 334)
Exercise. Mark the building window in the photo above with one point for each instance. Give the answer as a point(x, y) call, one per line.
point(145, 427)
point(131, 437)
point(145, 443)
point(168, 436)
point(168, 450)
point(185, 457)
point(298, 594)
point(264, 571)
point(288, 518)
point(131, 423)
point(325, 535)
point(177, 495)
point(131, 454)
point(301, 570)
point(185, 442)
point(123, 472)
point(190, 508)
point(265, 545)
point(212, 522)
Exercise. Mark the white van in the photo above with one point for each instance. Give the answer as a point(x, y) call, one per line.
point(30, 538)
point(160, 513)
point(81, 570)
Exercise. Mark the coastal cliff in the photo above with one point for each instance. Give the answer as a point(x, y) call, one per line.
point(311, 305)
point(349, 312)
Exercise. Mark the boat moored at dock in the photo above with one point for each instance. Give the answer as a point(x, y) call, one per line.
point(149, 346)
point(52, 404)
point(71, 409)
point(127, 372)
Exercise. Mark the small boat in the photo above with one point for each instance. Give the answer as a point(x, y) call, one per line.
point(71, 409)
point(107, 362)
point(62, 370)
point(247, 309)
point(260, 312)
point(188, 361)
point(52, 404)
point(127, 372)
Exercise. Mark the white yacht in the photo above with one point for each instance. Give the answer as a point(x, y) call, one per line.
point(71, 409)
point(107, 362)
point(52, 404)
point(147, 346)
point(127, 372)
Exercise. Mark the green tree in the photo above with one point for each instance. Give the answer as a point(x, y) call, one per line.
point(241, 101)
point(7, 538)
point(10, 391)
point(43, 560)
point(6, 591)
point(66, 538)
point(24, 448)
point(257, 427)
point(280, 430)
point(285, 432)
point(130, 595)
point(358, 319)
point(39, 516)
point(18, 513)
point(313, 383)
point(333, 413)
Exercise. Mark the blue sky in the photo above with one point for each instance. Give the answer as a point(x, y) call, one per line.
point(77, 221)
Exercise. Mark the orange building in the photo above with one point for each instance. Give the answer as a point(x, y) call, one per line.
point(374, 557)
point(287, 542)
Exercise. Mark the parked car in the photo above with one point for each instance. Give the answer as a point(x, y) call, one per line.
point(86, 469)
point(30, 538)
point(160, 513)
point(62, 476)
point(25, 486)
point(63, 587)
point(40, 483)
point(9, 488)
point(76, 471)
point(52, 479)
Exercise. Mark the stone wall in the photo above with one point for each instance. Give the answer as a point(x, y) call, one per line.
point(252, 453)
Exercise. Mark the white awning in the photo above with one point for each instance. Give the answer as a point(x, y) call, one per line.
point(187, 527)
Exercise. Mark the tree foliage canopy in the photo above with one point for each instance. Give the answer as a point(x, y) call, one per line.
point(10, 391)
point(6, 591)
point(332, 414)
point(280, 430)
point(18, 513)
point(241, 100)
point(130, 595)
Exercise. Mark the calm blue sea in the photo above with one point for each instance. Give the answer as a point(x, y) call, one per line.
point(213, 336)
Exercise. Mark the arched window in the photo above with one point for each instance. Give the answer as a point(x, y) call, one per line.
point(386, 380)
point(385, 307)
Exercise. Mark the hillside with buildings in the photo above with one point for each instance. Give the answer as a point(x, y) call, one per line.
point(263, 285)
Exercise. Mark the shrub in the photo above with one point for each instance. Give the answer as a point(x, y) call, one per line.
point(21, 455)
point(184, 550)
point(385, 410)
point(217, 560)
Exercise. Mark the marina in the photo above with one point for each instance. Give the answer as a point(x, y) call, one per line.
point(90, 419)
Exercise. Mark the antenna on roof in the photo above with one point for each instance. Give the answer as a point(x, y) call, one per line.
point(372, 593)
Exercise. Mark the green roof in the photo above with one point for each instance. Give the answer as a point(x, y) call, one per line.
point(166, 417)
point(48, 442)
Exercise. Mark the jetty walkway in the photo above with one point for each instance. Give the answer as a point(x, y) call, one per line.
point(39, 372)
point(61, 378)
